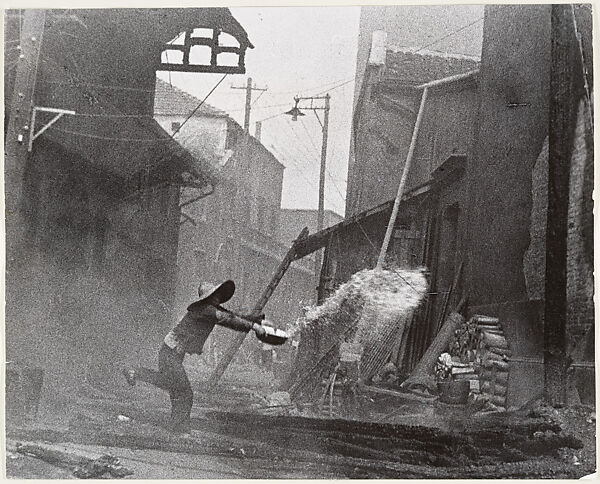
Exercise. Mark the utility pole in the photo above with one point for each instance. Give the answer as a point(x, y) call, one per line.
point(560, 142)
point(295, 112)
point(258, 130)
point(321, 210)
point(19, 118)
point(248, 90)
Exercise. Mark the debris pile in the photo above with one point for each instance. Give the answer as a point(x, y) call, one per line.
point(83, 465)
point(102, 466)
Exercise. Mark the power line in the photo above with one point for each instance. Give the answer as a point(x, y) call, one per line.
point(335, 87)
point(198, 107)
point(99, 86)
point(320, 86)
point(298, 167)
point(448, 35)
point(317, 150)
point(303, 145)
point(271, 117)
point(305, 148)
point(259, 96)
point(329, 175)
point(108, 138)
point(260, 107)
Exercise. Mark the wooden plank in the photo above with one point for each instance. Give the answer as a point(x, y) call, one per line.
point(421, 373)
point(500, 365)
point(489, 320)
point(393, 393)
point(499, 351)
point(494, 340)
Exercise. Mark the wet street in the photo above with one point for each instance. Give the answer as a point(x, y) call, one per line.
point(432, 441)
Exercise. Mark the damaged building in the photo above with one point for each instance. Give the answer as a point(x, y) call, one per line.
point(475, 202)
point(93, 183)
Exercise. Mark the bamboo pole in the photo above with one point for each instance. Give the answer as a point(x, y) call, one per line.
point(409, 157)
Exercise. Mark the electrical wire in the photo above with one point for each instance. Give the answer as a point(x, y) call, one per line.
point(108, 138)
point(259, 96)
point(288, 157)
point(335, 87)
point(309, 156)
point(260, 107)
point(198, 107)
point(271, 117)
point(326, 169)
point(99, 86)
point(454, 32)
point(320, 86)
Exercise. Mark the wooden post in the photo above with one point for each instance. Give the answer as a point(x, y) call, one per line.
point(321, 208)
point(409, 156)
point(19, 118)
point(247, 107)
point(559, 155)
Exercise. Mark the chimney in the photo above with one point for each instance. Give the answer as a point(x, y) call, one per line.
point(378, 45)
point(257, 130)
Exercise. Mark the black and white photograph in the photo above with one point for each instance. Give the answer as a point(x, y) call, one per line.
point(299, 242)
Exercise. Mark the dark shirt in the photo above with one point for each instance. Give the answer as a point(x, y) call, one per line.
point(193, 330)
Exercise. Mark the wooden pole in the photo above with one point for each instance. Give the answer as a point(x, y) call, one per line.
point(247, 107)
point(559, 155)
point(321, 209)
point(19, 118)
point(409, 156)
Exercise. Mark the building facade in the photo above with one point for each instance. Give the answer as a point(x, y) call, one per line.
point(475, 205)
point(91, 281)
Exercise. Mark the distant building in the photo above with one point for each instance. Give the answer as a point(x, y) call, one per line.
point(293, 220)
point(231, 231)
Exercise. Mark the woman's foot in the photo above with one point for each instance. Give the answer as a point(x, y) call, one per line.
point(129, 375)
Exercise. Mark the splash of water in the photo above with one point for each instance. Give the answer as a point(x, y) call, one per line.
point(375, 296)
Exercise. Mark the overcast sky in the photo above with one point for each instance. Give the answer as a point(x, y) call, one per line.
point(310, 51)
point(297, 51)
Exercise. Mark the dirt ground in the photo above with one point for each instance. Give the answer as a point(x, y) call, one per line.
point(231, 439)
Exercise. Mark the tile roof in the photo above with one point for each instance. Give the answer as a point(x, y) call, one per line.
point(169, 99)
point(425, 66)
